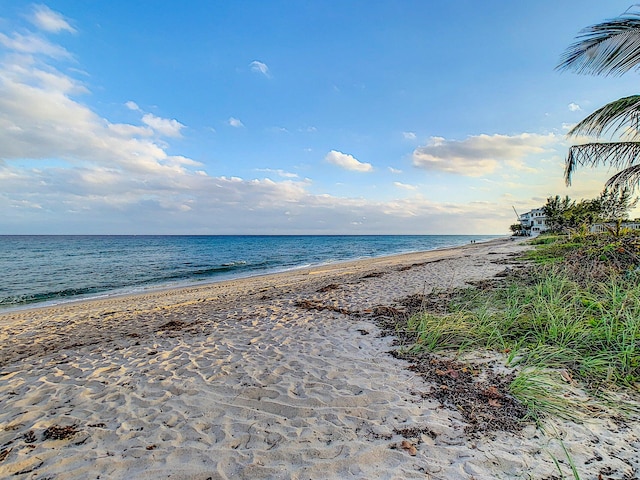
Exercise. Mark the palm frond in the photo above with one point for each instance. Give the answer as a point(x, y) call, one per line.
point(608, 48)
point(629, 177)
point(621, 114)
point(617, 155)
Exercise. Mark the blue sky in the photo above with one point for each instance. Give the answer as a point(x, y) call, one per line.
point(290, 117)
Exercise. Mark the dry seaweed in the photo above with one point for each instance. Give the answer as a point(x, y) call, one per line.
point(327, 288)
point(4, 453)
point(174, 325)
point(486, 404)
point(56, 432)
point(415, 432)
point(374, 274)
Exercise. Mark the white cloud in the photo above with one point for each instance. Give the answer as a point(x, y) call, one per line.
point(482, 154)
point(65, 168)
point(405, 186)
point(127, 130)
point(50, 21)
point(234, 122)
point(279, 172)
point(259, 67)
point(395, 171)
point(278, 130)
point(164, 126)
point(409, 135)
point(33, 44)
point(346, 161)
point(574, 107)
point(39, 119)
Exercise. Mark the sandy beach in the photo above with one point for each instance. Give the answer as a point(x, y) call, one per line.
point(277, 376)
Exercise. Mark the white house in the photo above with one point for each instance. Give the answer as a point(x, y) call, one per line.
point(534, 221)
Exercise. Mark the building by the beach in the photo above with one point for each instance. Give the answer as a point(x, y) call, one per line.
point(534, 222)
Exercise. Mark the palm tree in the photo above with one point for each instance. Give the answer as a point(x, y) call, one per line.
point(608, 48)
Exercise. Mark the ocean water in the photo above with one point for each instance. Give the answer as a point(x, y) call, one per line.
point(44, 270)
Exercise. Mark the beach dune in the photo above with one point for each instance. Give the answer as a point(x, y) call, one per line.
point(277, 376)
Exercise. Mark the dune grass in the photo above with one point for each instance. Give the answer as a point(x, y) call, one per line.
point(558, 325)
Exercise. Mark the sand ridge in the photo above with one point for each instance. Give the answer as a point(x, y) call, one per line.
point(236, 380)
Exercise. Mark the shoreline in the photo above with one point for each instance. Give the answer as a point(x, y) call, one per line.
point(277, 376)
point(71, 322)
point(206, 283)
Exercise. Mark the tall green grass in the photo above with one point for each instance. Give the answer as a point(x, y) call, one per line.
point(558, 327)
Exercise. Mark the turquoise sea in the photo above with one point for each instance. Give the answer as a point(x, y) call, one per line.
point(44, 270)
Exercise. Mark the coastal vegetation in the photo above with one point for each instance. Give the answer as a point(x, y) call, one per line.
point(571, 317)
point(611, 207)
point(567, 322)
point(566, 216)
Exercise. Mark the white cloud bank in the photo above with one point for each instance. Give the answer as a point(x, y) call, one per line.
point(346, 161)
point(64, 168)
point(482, 154)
